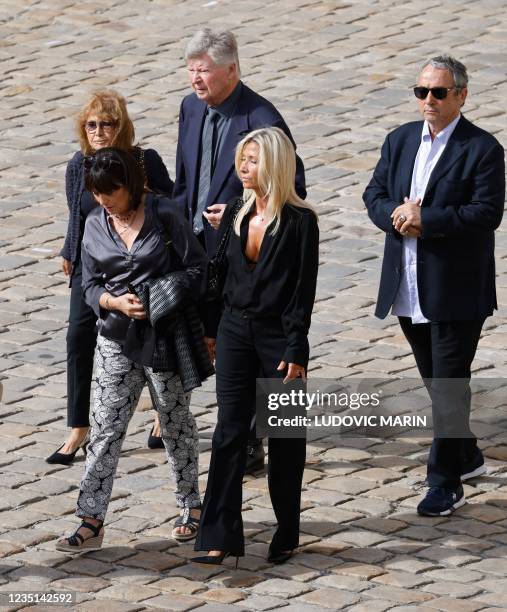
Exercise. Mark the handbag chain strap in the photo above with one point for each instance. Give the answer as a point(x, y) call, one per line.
point(220, 252)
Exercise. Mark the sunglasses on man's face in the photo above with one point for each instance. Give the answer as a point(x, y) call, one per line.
point(440, 93)
point(91, 126)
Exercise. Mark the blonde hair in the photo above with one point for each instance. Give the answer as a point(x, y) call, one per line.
point(276, 173)
point(108, 105)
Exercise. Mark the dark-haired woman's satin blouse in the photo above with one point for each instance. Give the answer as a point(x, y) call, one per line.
point(109, 266)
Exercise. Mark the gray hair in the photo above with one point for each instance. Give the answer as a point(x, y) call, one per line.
point(456, 68)
point(220, 45)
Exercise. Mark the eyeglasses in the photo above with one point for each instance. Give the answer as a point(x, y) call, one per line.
point(91, 126)
point(101, 163)
point(440, 93)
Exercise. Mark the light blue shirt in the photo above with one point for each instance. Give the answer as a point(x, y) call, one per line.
point(406, 303)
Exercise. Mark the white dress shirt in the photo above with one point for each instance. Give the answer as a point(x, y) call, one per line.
point(406, 303)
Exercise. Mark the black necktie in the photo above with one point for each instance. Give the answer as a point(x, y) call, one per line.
point(206, 167)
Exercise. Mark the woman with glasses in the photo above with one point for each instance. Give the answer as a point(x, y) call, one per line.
point(102, 122)
point(125, 245)
point(272, 262)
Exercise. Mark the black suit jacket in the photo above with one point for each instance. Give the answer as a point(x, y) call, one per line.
point(462, 207)
point(252, 112)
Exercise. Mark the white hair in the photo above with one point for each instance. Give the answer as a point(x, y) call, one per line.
point(220, 45)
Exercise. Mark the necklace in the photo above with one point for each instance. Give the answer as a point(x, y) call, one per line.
point(261, 215)
point(125, 226)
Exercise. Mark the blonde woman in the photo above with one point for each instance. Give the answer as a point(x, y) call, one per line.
point(269, 291)
point(102, 122)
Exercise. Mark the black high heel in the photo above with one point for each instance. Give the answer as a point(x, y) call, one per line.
point(279, 556)
point(215, 559)
point(154, 441)
point(66, 458)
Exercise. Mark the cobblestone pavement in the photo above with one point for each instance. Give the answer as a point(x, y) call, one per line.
point(340, 73)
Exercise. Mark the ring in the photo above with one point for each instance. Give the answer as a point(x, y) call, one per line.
point(403, 218)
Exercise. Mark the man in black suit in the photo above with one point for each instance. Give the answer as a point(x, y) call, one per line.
point(220, 98)
point(438, 192)
point(213, 119)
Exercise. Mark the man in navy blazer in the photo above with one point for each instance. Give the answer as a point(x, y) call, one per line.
point(438, 193)
point(203, 189)
point(213, 65)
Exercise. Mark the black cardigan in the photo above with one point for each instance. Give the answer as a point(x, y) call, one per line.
point(157, 179)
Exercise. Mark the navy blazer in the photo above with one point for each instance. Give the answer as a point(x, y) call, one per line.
point(462, 207)
point(252, 112)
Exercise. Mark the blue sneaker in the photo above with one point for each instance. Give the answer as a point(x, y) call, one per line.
point(441, 502)
point(474, 467)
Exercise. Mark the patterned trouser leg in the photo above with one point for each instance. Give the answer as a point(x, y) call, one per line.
point(119, 383)
point(179, 434)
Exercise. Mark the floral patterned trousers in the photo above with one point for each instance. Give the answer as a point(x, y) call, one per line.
point(119, 382)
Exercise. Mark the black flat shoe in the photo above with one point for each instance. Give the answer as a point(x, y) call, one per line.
point(279, 556)
point(65, 458)
point(154, 441)
point(214, 560)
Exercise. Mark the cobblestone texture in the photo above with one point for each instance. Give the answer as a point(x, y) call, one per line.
point(340, 72)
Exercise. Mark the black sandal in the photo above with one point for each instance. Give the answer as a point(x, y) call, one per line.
point(76, 542)
point(185, 520)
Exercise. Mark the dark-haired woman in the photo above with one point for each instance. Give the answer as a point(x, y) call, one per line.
point(123, 246)
point(103, 122)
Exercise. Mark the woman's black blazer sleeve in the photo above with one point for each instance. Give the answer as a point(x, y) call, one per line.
point(297, 315)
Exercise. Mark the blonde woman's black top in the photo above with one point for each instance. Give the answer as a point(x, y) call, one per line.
point(282, 283)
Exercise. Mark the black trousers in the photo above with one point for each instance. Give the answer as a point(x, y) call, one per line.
point(81, 340)
point(253, 440)
point(445, 350)
point(245, 347)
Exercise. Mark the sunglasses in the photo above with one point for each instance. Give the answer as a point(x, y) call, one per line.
point(440, 93)
point(91, 126)
point(102, 163)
